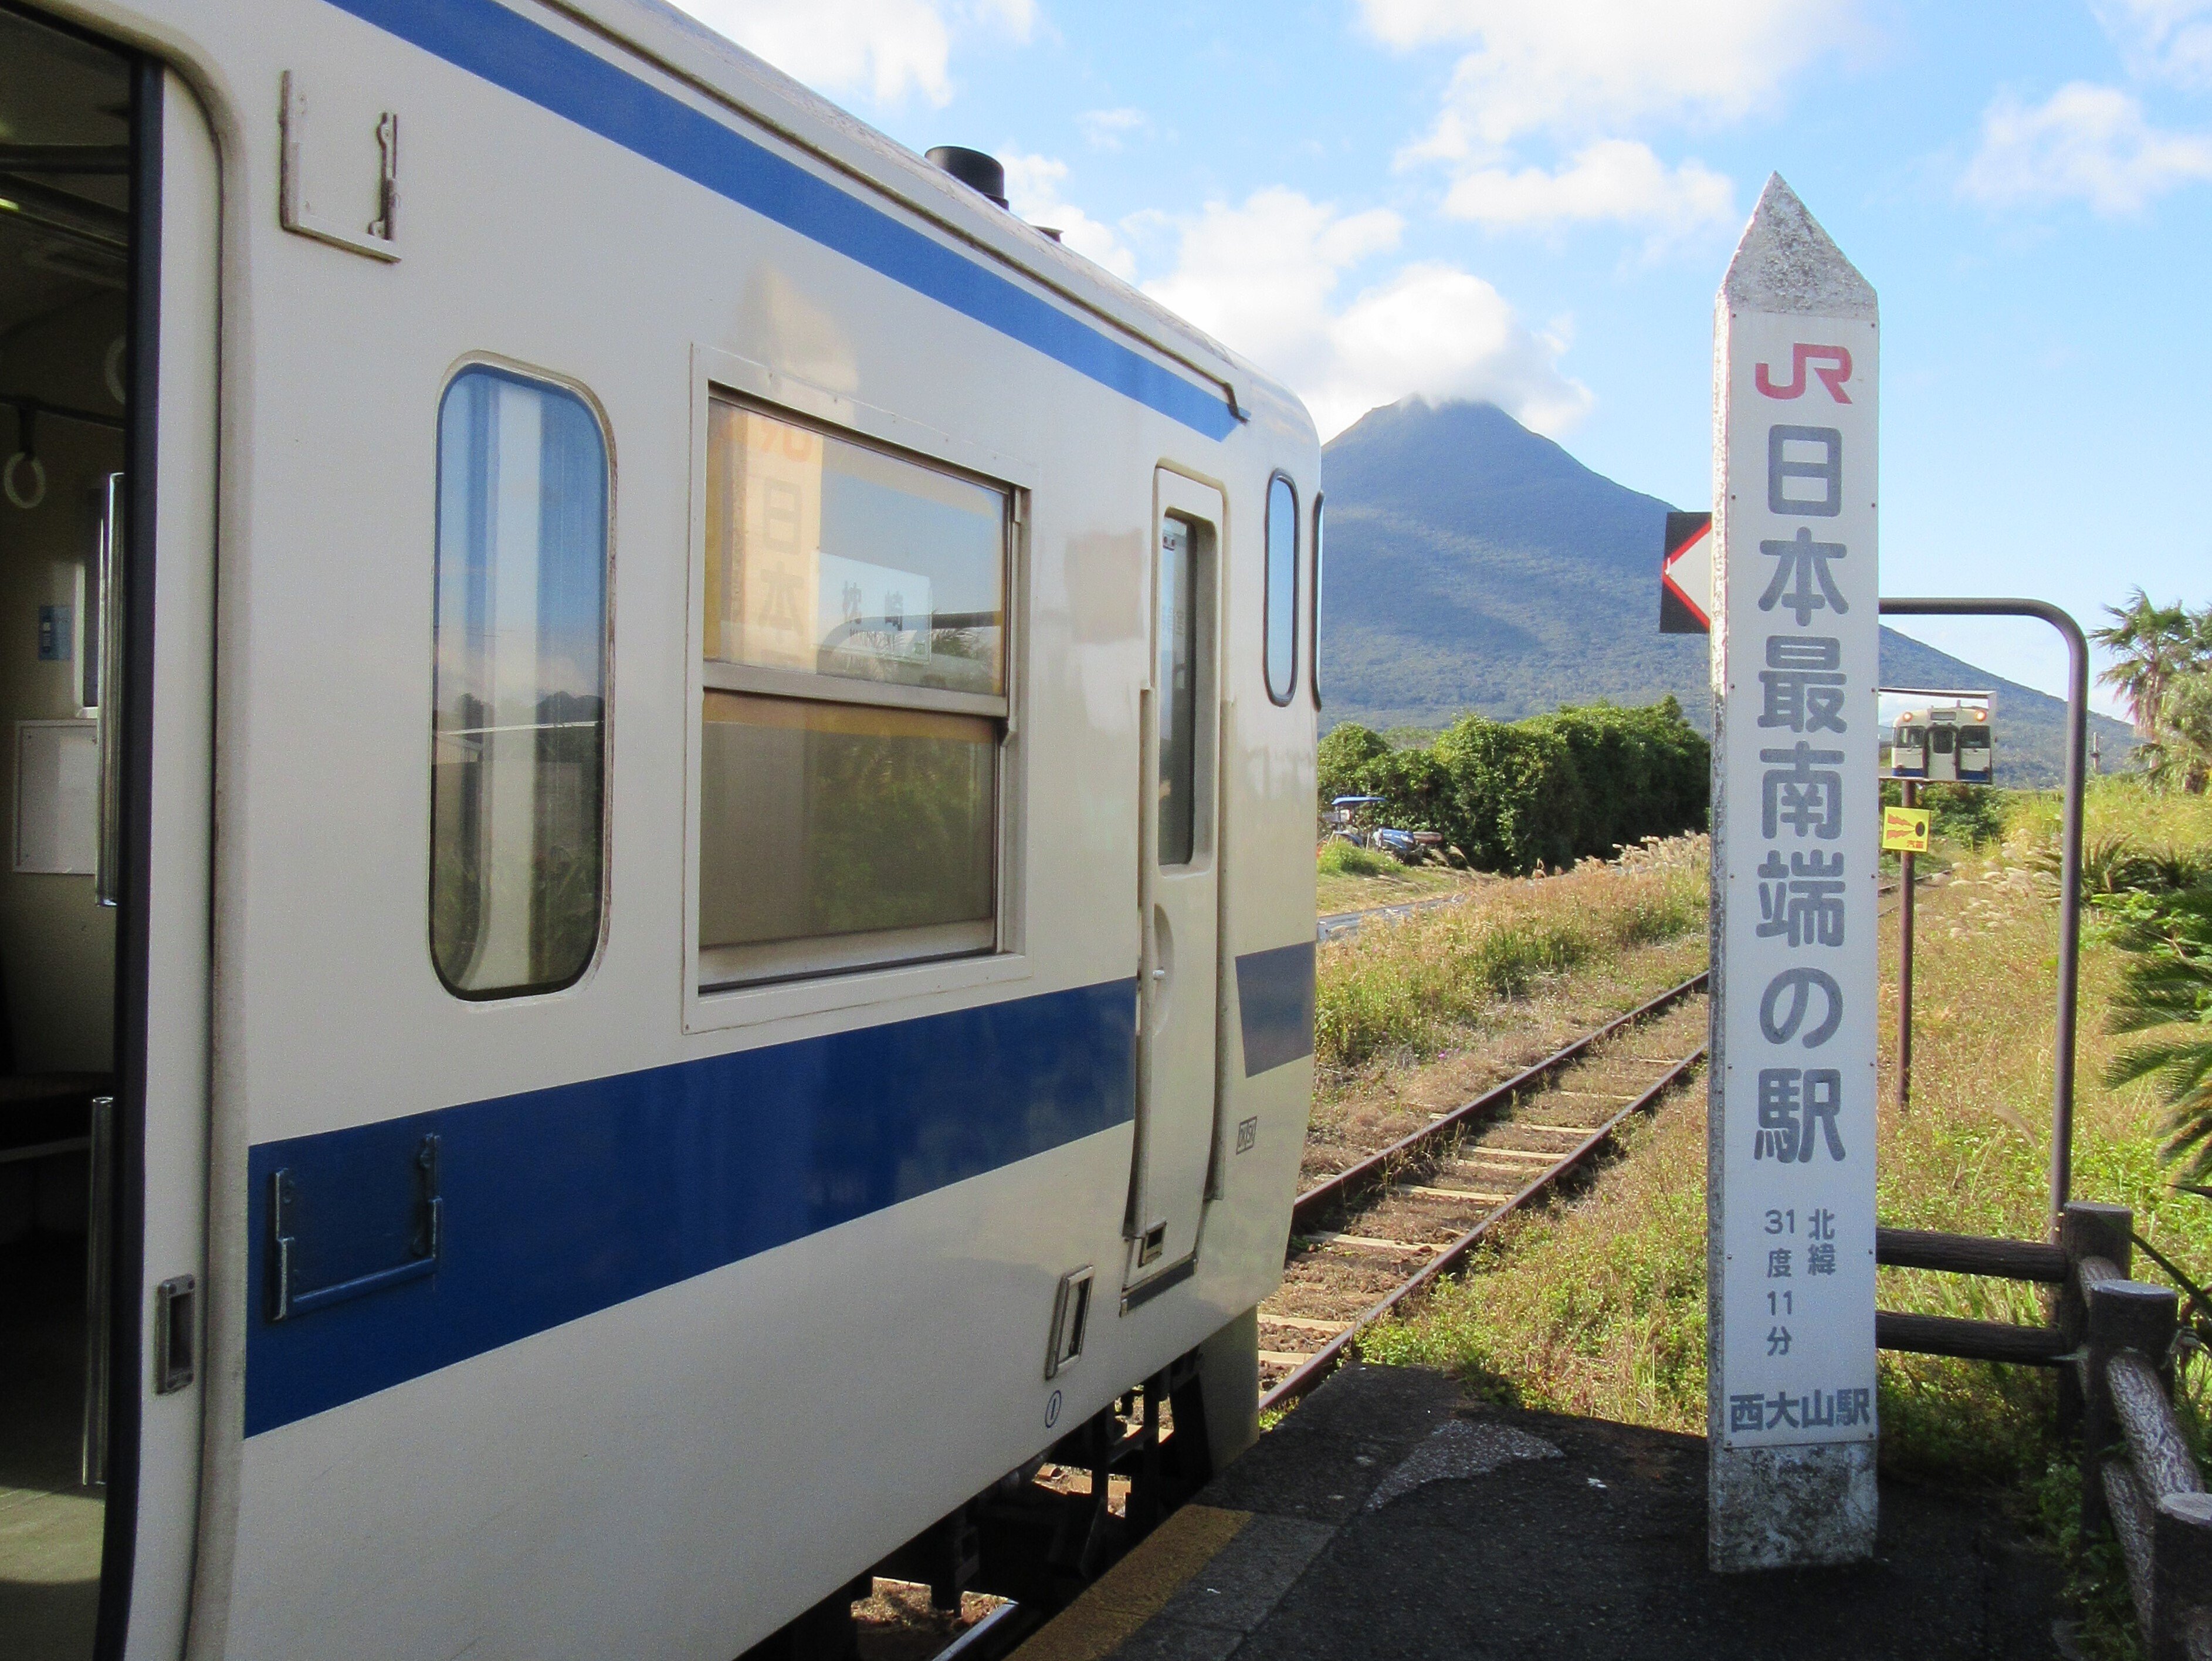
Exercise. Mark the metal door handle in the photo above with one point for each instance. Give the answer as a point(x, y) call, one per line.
point(98, 1256)
point(176, 1333)
point(107, 860)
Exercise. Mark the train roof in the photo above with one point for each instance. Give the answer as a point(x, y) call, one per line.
point(681, 46)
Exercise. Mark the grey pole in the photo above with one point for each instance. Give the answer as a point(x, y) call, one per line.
point(1909, 789)
point(2069, 873)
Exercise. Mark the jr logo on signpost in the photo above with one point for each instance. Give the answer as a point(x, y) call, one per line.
point(1832, 364)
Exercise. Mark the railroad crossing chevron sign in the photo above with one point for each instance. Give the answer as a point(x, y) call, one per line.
point(1790, 1150)
point(1686, 575)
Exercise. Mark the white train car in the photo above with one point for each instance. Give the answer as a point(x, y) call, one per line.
point(662, 910)
point(1952, 743)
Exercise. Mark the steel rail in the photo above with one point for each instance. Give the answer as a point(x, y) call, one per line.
point(1324, 1360)
point(989, 1636)
point(1334, 1189)
point(1334, 925)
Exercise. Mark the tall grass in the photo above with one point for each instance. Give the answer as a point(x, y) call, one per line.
point(1599, 1307)
point(1338, 858)
point(1599, 1310)
point(1405, 986)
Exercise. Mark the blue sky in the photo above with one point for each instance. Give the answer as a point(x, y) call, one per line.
point(1535, 203)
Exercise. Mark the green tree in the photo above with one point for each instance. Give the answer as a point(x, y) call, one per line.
point(1543, 791)
point(1347, 751)
point(2180, 753)
point(2150, 644)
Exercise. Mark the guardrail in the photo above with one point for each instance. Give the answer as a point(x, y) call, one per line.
point(2112, 1340)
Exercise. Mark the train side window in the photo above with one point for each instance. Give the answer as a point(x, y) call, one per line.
point(854, 704)
point(1175, 676)
point(1282, 617)
point(1313, 628)
point(519, 710)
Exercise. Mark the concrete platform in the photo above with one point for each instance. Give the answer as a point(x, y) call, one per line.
point(1393, 1516)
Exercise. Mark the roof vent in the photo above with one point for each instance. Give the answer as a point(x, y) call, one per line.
point(979, 171)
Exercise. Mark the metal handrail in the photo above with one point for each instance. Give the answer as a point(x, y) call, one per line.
point(2069, 877)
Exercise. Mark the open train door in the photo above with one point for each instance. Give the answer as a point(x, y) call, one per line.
point(162, 1310)
point(108, 316)
point(1179, 874)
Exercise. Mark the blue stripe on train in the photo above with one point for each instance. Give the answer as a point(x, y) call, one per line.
point(560, 1202)
point(1275, 1000)
point(488, 40)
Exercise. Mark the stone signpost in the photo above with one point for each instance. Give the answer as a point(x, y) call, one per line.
point(1790, 1196)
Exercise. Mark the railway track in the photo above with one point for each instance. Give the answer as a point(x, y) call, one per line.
point(1338, 923)
point(1368, 1237)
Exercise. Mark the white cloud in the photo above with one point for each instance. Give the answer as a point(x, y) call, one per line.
point(2084, 143)
point(1105, 129)
point(1615, 179)
point(1033, 191)
point(1584, 66)
point(1263, 278)
point(2171, 39)
point(887, 47)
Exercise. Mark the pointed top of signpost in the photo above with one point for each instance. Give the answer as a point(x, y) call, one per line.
point(1786, 262)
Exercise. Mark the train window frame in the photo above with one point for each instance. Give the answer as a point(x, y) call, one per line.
point(548, 382)
point(1312, 604)
point(801, 987)
point(1283, 699)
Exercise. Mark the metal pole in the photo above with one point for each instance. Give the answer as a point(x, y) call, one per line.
point(2069, 853)
point(1910, 790)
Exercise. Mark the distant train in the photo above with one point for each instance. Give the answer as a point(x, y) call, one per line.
point(1943, 745)
point(663, 916)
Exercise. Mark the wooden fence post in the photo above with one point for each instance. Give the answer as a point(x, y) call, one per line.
point(2181, 1574)
point(2122, 1315)
point(2131, 1327)
point(2085, 1231)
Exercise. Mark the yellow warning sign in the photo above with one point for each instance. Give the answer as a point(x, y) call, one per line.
point(1904, 830)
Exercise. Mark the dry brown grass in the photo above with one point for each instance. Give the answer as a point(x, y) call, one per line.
point(1409, 988)
point(1597, 1305)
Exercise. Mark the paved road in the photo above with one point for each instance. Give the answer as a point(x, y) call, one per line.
point(1395, 1515)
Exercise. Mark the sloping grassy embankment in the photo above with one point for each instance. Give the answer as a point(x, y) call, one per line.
point(1405, 988)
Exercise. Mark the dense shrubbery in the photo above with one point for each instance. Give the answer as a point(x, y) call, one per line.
point(1970, 815)
point(1549, 790)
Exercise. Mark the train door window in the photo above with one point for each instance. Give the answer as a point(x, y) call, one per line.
point(854, 704)
point(1313, 628)
point(519, 714)
point(1282, 612)
point(1943, 737)
point(1175, 634)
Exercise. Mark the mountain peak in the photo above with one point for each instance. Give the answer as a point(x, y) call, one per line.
point(1455, 458)
point(1474, 565)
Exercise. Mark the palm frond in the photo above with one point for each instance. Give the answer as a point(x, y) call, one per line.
point(2184, 1064)
point(2189, 1130)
